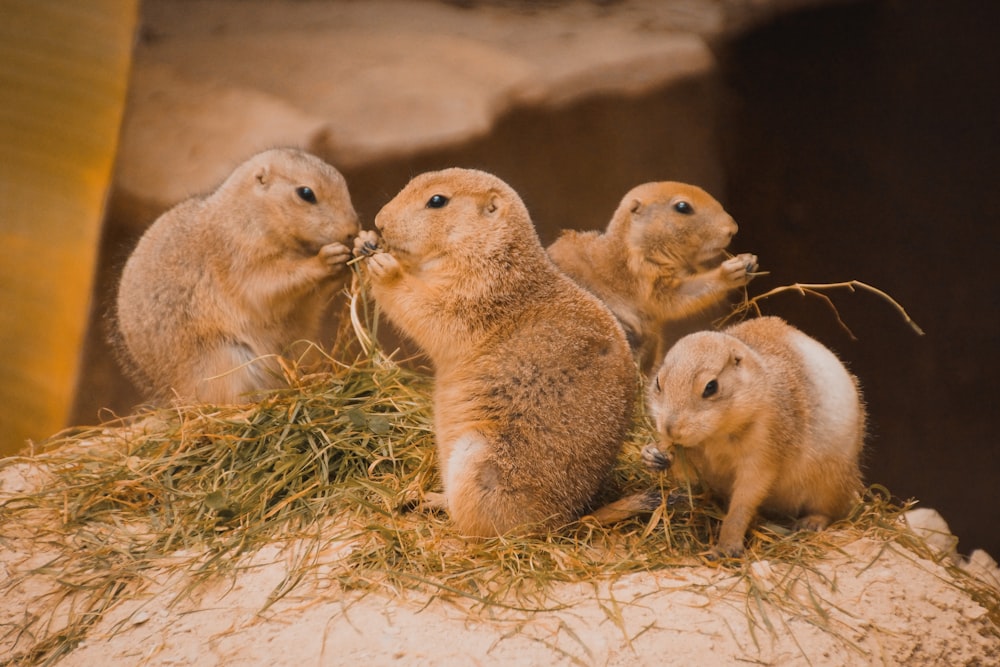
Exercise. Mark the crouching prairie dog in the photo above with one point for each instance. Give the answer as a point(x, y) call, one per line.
point(660, 260)
point(534, 380)
point(221, 283)
point(769, 419)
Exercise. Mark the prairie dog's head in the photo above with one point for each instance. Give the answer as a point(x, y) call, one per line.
point(293, 197)
point(704, 387)
point(462, 216)
point(673, 223)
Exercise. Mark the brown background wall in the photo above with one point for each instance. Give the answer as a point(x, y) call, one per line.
point(862, 143)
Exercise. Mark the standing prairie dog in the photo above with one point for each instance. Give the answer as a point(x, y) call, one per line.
point(660, 260)
point(768, 417)
point(221, 283)
point(534, 381)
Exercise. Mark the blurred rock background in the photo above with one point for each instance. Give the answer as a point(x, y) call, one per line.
point(850, 140)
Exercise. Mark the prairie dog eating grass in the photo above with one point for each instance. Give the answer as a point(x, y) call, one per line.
point(220, 284)
point(534, 380)
point(769, 418)
point(660, 260)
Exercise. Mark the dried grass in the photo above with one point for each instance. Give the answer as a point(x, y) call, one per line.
point(817, 290)
point(335, 459)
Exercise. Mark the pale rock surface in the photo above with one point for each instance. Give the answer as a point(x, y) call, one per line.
point(934, 530)
point(982, 566)
point(884, 608)
point(217, 80)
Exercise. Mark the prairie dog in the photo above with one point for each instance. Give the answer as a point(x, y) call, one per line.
point(534, 381)
point(768, 417)
point(660, 260)
point(218, 283)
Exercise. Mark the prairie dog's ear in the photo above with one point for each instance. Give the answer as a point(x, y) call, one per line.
point(494, 205)
point(263, 176)
point(735, 357)
point(636, 205)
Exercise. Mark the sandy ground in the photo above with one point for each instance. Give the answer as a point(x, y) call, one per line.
point(890, 610)
point(866, 603)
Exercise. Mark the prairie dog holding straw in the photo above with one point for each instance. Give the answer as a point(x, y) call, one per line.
point(768, 417)
point(660, 260)
point(219, 282)
point(534, 381)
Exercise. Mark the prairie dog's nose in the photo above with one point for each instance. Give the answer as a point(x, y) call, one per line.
point(669, 432)
point(665, 426)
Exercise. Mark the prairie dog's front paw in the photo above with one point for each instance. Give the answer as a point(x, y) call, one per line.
point(383, 267)
point(335, 256)
point(738, 270)
point(724, 551)
point(728, 546)
point(366, 243)
point(654, 459)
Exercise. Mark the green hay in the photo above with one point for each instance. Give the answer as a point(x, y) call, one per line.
point(337, 458)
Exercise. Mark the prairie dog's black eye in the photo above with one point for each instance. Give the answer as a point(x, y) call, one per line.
point(306, 194)
point(437, 201)
point(710, 389)
point(684, 207)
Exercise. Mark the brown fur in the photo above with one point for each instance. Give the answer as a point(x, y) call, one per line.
point(220, 282)
point(655, 265)
point(782, 431)
point(534, 383)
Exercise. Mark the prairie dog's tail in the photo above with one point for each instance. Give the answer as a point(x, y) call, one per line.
point(636, 503)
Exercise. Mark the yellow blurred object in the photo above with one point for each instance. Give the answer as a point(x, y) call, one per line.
point(64, 68)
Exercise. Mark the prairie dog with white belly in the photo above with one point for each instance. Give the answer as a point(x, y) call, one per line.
point(769, 419)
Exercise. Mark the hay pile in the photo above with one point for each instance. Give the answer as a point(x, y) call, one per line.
point(331, 465)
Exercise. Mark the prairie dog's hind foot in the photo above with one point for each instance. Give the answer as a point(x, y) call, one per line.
point(813, 522)
point(428, 503)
